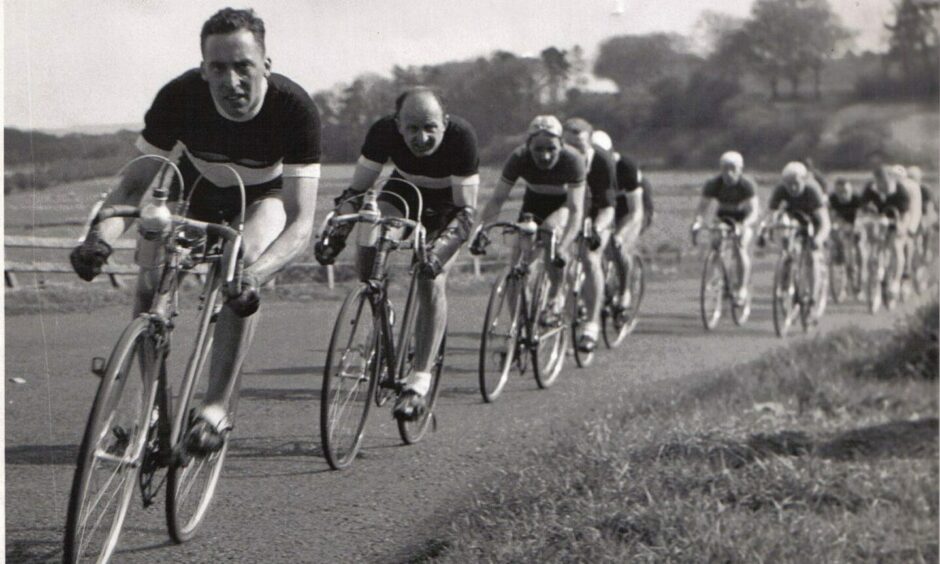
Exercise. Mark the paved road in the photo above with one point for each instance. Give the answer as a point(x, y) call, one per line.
point(278, 501)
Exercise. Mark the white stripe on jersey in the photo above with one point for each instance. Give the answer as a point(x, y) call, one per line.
point(369, 164)
point(550, 189)
point(146, 148)
point(302, 171)
point(458, 181)
point(222, 177)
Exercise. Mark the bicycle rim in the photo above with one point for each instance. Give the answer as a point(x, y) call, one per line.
point(413, 431)
point(712, 291)
point(579, 316)
point(838, 282)
point(548, 346)
point(112, 449)
point(192, 478)
point(783, 301)
point(499, 339)
point(349, 378)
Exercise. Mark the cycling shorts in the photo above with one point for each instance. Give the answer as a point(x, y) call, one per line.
point(541, 205)
point(438, 205)
point(215, 204)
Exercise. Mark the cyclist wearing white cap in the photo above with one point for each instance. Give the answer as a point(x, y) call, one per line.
point(736, 195)
point(800, 195)
point(630, 211)
point(554, 177)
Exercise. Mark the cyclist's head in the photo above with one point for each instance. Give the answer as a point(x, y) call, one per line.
point(731, 164)
point(843, 188)
point(899, 171)
point(875, 159)
point(421, 120)
point(578, 134)
point(544, 141)
point(602, 140)
point(915, 174)
point(794, 176)
point(234, 62)
point(886, 179)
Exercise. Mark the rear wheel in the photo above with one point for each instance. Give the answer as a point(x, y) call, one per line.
point(784, 297)
point(112, 448)
point(548, 342)
point(413, 431)
point(349, 379)
point(193, 477)
point(713, 290)
point(500, 338)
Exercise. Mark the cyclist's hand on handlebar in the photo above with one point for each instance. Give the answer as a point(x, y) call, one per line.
point(430, 267)
point(331, 244)
point(479, 243)
point(561, 258)
point(248, 298)
point(593, 239)
point(88, 257)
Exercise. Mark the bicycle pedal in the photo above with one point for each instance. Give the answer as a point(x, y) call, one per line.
point(98, 366)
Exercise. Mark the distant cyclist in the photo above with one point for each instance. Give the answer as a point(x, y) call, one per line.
point(437, 152)
point(736, 195)
point(231, 110)
point(845, 204)
point(888, 195)
point(554, 179)
point(630, 211)
point(599, 202)
point(804, 200)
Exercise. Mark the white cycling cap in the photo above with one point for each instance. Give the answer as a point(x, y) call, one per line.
point(915, 173)
point(732, 157)
point(794, 170)
point(547, 123)
point(602, 140)
point(899, 171)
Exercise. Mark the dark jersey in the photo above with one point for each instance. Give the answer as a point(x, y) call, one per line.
point(845, 210)
point(807, 202)
point(601, 181)
point(731, 199)
point(629, 179)
point(282, 139)
point(898, 201)
point(546, 190)
point(456, 156)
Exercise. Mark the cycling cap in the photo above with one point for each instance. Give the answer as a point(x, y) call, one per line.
point(732, 157)
point(899, 171)
point(915, 173)
point(545, 123)
point(794, 170)
point(602, 140)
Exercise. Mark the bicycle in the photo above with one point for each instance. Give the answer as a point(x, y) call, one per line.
point(845, 267)
point(365, 364)
point(511, 326)
point(133, 431)
point(882, 231)
point(720, 276)
point(792, 288)
point(618, 320)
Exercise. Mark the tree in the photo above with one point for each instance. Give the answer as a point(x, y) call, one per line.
point(636, 61)
point(557, 70)
point(913, 42)
point(786, 38)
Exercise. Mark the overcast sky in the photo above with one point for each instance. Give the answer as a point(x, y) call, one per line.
point(74, 63)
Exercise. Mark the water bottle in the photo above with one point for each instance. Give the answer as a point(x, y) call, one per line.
point(156, 222)
point(368, 234)
point(527, 224)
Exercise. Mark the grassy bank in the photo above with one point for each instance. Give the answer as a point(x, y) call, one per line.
point(825, 451)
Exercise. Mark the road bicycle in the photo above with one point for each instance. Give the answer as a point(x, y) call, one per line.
point(617, 319)
point(845, 263)
point(134, 431)
point(575, 278)
point(365, 363)
point(882, 230)
point(721, 276)
point(513, 331)
point(792, 288)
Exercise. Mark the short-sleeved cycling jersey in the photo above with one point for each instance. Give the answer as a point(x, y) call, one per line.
point(807, 202)
point(898, 201)
point(733, 199)
point(546, 190)
point(629, 179)
point(846, 210)
point(927, 198)
point(456, 160)
point(601, 181)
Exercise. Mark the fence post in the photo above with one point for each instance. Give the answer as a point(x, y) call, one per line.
point(476, 267)
point(330, 280)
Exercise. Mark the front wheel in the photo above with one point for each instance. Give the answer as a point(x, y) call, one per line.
point(112, 448)
point(712, 290)
point(784, 296)
point(413, 431)
point(500, 337)
point(619, 319)
point(349, 379)
point(579, 315)
point(548, 341)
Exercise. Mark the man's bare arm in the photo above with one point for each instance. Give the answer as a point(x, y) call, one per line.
point(300, 203)
point(130, 191)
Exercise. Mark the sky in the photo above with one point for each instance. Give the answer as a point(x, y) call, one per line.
point(78, 63)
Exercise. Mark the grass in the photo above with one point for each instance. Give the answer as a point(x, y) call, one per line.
point(825, 451)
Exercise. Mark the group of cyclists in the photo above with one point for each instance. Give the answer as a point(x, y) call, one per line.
point(234, 111)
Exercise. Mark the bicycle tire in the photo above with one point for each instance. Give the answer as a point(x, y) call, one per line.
point(413, 431)
point(578, 314)
point(554, 339)
point(740, 313)
point(783, 296)
point(192, 478)
point(838, 282)
point(341, 437)
point(713, 289)
point(126, 432)
point(498, 347)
